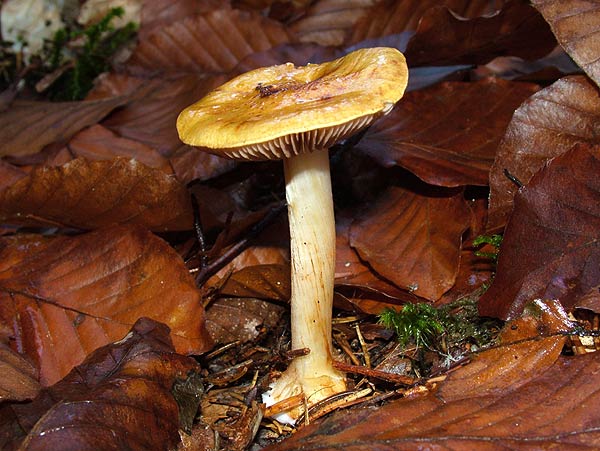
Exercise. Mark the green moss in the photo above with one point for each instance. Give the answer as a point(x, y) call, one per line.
point(494, 240)
point(100, 42)
point(69, 63)
point(450, 331)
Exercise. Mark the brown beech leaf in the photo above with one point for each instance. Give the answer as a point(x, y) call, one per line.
point(121, 397)
point(151, 118)
point(64, 297)
point(9, 174)
point(231, 319)
point(443, 38)
point(298, 53)
point(213, 42)
point(544, 126)
point(526, 345)
point(91, 194)
point(191, 164)
point(519, 396)
point(19, 377)
point(99, 143)
point(448, 134)
point(350, 271)
point(413, 240)
point(575, 25)
point(396, 16)
point(159, 13)
point(551, 245)
point(328, 22)
point(259, 281)
point(26, 127)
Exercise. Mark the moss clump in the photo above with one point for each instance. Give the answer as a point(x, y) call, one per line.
point(493, 240)
point(100, 42)
point(450, 331)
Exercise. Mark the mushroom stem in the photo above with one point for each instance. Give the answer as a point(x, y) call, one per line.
point(312, 232)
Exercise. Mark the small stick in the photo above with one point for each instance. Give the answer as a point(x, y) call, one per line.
point(214, 266)
point(343, 343)
point(284, 405)
point(337, 401)
point(199, 233)
point(383, 375)
point(363, 345)
point(512, 178)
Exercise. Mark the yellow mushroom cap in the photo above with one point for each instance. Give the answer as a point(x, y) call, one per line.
point(280, 111)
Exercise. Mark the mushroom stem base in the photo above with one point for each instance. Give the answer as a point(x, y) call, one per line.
point(312, 246)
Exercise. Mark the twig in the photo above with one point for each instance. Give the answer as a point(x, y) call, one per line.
point(370, 372)
point(215, 265)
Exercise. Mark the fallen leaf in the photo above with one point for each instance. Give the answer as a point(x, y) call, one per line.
point(575, 25)
point(259, 281)
point(26, 127)
point(351, 272)
point(539, 401)
point(328, 22)
point(443, 38)
point(230, 319)
point(9, 174)
point(546, 125)
point(19, 377)
point(190, 164)
point(160, 13)
point(390, 17)
point(64, 297)
point(151, 118)
point(551, 247)
point(448, 134)
point(91, 194)
point(209, 43)
point(99, 143)
point(413, 240)
point(119, 398)
point(300, 54)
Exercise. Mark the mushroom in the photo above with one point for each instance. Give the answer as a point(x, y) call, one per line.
point(296, 114)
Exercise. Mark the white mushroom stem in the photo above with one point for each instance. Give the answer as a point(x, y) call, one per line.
point(312, 232)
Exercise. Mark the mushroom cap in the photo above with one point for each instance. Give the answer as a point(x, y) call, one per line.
point(280, 111)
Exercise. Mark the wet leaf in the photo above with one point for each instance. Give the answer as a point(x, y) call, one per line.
point(119, 398)
point(19, 377)
point(551, 247)
point(26, 127)
point(519, 396)
point(544, 126)
point(413, 240)
point(213, 42)
point(64, 297)
point(443, 38)
point(328, 22)
point(447, 134)
point(91, 194)
point(575, 25)
point(526, 345)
